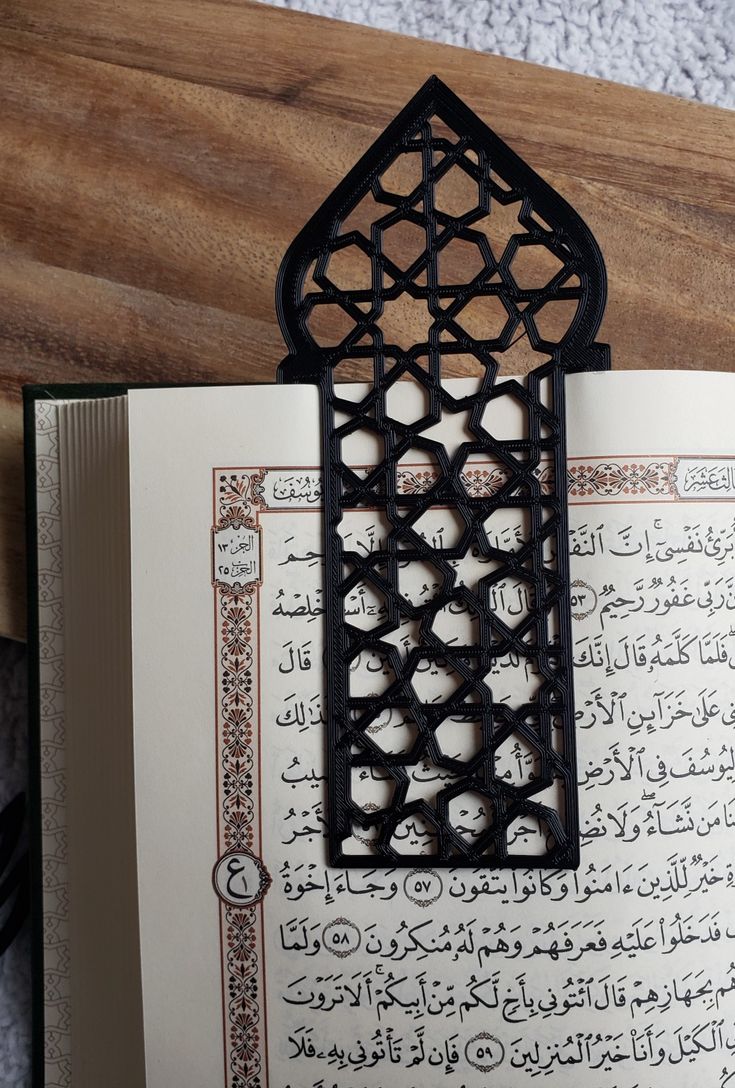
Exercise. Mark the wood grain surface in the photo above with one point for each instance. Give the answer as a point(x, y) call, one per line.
point(158, 158)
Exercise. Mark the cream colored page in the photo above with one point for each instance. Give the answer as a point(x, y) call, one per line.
point(614, 976)
point(176, 436)
point(652, 518)
point(103, 930)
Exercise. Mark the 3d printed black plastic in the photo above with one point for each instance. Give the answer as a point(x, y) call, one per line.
point(443, 250)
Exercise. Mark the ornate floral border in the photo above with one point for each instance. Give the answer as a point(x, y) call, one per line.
point(594, 479)
point(481, 480)
point(590, 479)
point(237, 503)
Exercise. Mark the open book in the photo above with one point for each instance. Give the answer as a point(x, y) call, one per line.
point(181, 717)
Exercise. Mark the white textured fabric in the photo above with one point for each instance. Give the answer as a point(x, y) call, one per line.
point(683, 47)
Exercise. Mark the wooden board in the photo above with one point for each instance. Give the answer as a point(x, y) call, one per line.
point(158, 158)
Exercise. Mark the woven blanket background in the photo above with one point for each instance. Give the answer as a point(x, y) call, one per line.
point(682, 47)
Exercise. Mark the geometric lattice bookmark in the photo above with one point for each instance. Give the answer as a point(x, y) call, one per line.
point(448, 631)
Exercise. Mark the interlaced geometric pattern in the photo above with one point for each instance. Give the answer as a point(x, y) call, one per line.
point(450, 737)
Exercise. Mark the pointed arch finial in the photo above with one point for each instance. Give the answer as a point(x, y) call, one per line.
point(442, 249)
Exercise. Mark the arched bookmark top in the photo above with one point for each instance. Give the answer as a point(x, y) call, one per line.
point(438, 213)
point(450, 734)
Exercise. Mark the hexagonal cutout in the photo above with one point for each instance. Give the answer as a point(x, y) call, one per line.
point(404, 174)
point(407, 400)
point(370, 675)
point(426, 780)
point(350, 269)
point(506, 417)
point(484, 317)
point(481, 477)
point(456, 193)
point(364, 531)
point(329, 324)
point(415, 835)
point(534, 265)
point(471, 814)
point(362, 448)
point(516, 761)
point(371, 788)
point(419, 581)
point(394, 731)
point(403, 243)
point(435, 681)
point(365, 605)
point(528, 834)
point(440, 527)
point(459, 738)
point(457, 624)
point(459, 262)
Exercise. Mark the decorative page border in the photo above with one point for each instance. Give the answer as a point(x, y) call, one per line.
point(240, 497)
point(644, 479)
point(236, 505)
point(56, 958)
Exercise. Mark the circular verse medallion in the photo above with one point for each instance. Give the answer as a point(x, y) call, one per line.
point(583, 599)
point(484, 1052)
point(422, 887)
point(341, 937)
point(240, 878)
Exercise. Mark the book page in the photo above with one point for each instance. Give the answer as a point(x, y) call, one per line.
point(262, 965)
point(98, 746)
point(80, 663)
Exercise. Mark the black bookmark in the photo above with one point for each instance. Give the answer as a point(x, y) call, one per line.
point(442, 251)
